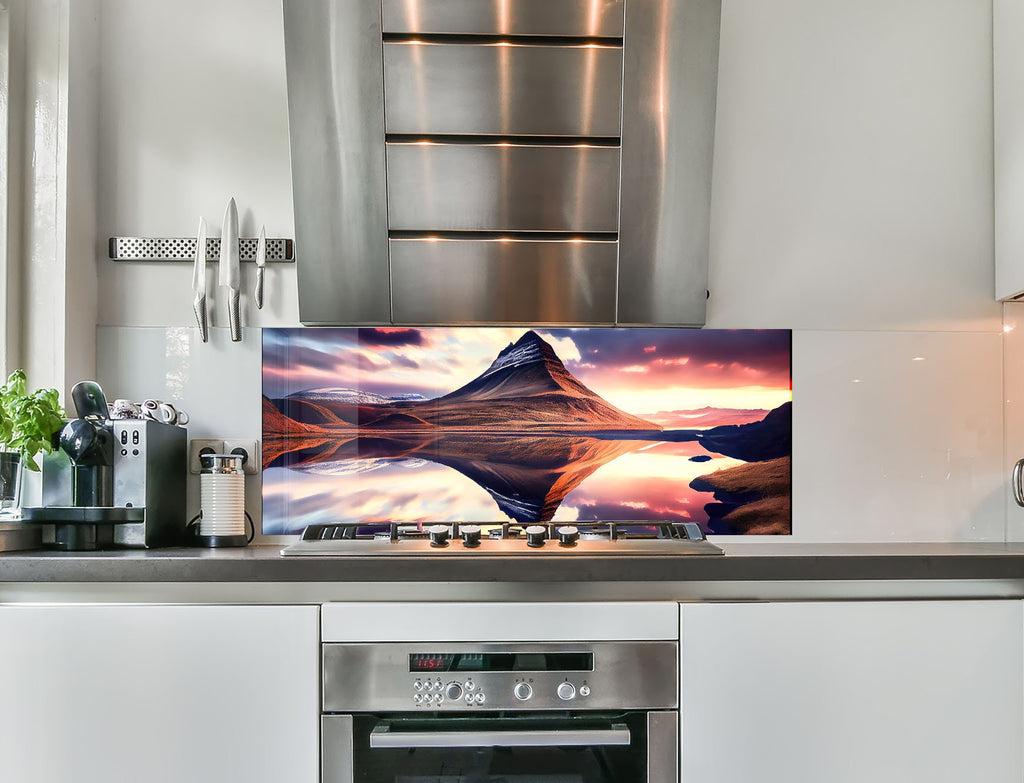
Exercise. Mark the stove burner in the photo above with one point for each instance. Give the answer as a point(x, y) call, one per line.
point(502, 538)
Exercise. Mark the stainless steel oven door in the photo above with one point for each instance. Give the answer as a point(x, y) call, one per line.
point(631, 747)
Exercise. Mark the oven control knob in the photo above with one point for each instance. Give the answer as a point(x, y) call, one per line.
point(438, 535)
point(566, 691)
point(584, 690)
point(522, 691)
point(535, 535)
point(568, 535)
point(470, 535)
point(453, 691)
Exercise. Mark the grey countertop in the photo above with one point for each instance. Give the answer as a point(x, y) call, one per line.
point(767, 561)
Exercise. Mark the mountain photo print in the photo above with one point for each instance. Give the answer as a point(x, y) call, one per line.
point(500, 424)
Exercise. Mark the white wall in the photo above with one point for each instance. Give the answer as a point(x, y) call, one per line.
point(852, 203)
point(853, 166)
point(193, 112)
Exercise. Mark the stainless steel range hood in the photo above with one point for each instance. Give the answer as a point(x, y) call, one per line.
point(502, 161)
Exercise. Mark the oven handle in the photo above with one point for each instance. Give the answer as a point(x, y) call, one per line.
point(383, 737)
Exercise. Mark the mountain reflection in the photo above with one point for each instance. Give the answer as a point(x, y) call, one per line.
point(528, 476)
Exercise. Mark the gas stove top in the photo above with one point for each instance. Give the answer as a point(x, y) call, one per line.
point(461, 539)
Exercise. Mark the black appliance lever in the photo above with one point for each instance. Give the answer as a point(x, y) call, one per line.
point(90, 401)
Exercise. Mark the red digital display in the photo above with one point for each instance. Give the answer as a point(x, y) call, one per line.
point(430, 662)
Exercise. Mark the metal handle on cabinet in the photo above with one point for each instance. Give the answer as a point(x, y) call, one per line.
point(1018, 487)
point(383, 737)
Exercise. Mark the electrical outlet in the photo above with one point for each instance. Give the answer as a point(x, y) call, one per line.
point(198, 446)
point(250, 451)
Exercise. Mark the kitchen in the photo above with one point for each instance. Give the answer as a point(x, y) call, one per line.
point(852, 202)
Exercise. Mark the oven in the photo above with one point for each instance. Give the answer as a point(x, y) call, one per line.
point(520, 711)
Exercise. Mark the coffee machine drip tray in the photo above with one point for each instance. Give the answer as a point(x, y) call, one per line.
point(77, 528)
point(91, 515)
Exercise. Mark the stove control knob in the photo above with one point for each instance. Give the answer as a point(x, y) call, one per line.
point(470, 535)
point(584, 690)
point(522, 691)
point(535, 535)
point(453, 692)
point(566, 691)
point(568, 535)
point(438, 535)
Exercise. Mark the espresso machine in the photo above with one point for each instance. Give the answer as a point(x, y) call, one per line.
point(112, 482)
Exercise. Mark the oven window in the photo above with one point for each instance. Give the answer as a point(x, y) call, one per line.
point(615, 753)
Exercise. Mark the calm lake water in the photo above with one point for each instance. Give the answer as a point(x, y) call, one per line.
point(650, 482)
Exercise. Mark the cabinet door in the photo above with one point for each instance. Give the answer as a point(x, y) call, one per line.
point(162, 694)
point(1008, 128)
point(927, 691)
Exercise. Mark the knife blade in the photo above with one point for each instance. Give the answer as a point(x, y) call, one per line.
point(229, 273)
point(199, 281)
point(261, 262)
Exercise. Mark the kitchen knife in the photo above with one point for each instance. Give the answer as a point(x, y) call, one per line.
point(261, 262)
point(199, 281)
point(229, 275)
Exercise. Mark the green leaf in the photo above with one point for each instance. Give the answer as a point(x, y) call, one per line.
point(28, 421)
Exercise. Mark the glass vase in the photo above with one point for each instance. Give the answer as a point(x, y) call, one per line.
point(11, 469)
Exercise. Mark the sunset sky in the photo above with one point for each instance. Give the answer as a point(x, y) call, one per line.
point(660, 374)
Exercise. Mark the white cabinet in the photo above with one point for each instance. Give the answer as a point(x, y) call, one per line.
point(161, 694)
point(1008, 129)
point(849, 692)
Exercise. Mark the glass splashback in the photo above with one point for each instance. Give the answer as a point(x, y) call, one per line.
point(533, 425)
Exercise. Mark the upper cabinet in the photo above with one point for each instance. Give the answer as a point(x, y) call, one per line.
point(1008, 108)
point(488, 161)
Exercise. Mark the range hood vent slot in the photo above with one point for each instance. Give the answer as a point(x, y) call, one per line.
point(499, 39)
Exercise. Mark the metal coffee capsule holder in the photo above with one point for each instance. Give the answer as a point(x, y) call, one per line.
point(112, 483)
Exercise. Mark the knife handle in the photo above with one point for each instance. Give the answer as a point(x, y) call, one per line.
point(234, 317)
point(199, 306)
point(258, 293)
